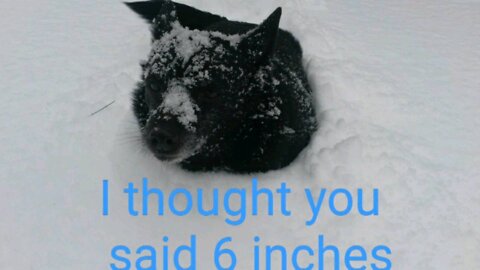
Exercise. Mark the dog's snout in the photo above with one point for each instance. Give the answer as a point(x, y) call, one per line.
point(165, 139)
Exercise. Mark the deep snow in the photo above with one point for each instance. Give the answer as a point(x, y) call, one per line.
point(398, 90)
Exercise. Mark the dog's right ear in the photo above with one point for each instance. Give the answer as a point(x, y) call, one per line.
point(259, 43)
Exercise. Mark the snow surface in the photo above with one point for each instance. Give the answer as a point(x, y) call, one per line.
point(398, 90)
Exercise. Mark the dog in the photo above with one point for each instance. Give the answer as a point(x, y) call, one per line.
point(222, 95)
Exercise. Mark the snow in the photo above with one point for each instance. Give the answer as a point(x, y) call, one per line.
point(177, 102)
point(397, 87)
point(186, 42)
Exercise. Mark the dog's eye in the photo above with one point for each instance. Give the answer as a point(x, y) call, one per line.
point(154, 87)
point(207, 95)
point(211, 94)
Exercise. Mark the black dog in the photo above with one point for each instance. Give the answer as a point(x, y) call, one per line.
point(222, 95)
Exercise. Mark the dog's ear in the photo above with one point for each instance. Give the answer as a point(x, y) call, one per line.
point(259, 43)
point(196, 19)
point(148, 10)
point(188, 16)
point(161, 14)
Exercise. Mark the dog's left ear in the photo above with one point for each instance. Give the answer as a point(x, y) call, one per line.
point(188, 16)
point(161, 14)
point(259, 43)
point(148, 10)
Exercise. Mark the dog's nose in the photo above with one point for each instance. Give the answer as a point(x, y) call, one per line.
point(165, 139)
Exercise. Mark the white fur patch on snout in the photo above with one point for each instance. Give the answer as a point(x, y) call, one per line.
point(177, 102)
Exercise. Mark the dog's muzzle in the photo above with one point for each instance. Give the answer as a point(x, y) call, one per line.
point(165, 138)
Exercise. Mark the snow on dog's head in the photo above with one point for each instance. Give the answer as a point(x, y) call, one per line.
point(177, 103)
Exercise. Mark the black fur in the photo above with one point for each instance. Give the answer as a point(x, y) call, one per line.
point(253, 105)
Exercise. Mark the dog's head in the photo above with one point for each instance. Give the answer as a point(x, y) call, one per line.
point(196, 82)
